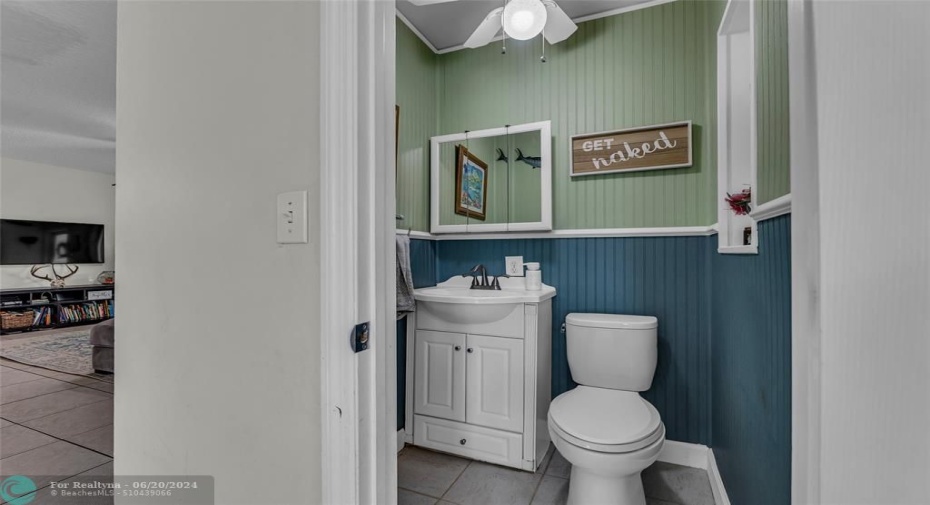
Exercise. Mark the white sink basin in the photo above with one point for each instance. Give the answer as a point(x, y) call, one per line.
point(454, 306)
point(458, 290)
point(454, 302)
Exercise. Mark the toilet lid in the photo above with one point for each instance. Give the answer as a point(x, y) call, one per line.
point(607, 420)
point(615, 321)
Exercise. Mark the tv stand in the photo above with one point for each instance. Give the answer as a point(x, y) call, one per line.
point(60, 307)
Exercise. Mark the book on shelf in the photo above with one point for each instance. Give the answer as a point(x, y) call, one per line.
point(43, 317)
point(86, 311)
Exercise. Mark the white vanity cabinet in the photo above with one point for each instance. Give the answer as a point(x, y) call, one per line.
point(482, 387)
point(439, 376)
point(494, 382)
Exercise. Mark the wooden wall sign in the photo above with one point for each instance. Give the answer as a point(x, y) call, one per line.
point(632, 150)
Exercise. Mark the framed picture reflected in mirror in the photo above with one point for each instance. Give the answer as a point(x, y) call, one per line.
point(471, 184)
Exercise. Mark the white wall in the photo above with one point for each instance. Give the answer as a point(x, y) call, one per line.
point(218, 353)
point(873, 113)
point(48, 193)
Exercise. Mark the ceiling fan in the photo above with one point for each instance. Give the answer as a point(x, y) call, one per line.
point(521, 20)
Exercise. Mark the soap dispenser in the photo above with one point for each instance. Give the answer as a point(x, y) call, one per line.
point(533, 277)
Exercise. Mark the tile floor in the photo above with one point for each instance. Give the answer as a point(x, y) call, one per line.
point(59, 425)
point(54, 425)
point(428, 478)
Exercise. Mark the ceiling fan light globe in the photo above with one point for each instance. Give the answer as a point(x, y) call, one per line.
point(524, 19)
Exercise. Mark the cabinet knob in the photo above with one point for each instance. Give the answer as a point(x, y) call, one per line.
point(458, 348)
point(471, 350)
point(462, 441)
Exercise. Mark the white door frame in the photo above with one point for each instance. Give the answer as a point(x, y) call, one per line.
point(805, 258)
point(357, 214)
point(359, 437)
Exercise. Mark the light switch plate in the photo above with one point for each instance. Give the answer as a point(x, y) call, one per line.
point(292, 217)
point(514, 265)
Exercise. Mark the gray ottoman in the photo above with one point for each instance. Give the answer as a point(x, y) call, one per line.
point(101, 337)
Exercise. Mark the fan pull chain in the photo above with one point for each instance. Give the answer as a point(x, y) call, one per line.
point(542, 37)
point(503, 32)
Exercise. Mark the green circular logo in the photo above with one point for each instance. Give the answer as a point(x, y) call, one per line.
point(17, 490)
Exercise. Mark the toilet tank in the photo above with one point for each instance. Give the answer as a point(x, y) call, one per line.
point(612, 351)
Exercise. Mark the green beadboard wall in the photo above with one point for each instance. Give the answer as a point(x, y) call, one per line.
point(644, 67)
point(417, 96)
point(771, 24)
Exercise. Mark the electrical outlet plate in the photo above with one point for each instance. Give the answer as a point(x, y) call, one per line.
point(514, 265)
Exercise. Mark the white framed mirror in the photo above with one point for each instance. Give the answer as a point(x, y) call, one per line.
point(493, 180)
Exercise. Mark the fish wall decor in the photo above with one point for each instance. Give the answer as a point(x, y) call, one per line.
point(533, 161)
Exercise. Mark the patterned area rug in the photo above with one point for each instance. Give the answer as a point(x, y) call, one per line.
point(63, 352)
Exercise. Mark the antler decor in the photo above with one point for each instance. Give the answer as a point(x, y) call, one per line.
point(59, 280)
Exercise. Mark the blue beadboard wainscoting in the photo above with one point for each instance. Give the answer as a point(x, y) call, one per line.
point(724, 372)
point(666, 277)
point(751, 367)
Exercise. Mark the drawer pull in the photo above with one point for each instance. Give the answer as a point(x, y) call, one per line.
point(462, 441)
point(471, 350)
point(458, 348)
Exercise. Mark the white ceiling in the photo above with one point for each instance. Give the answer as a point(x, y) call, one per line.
point(58, 81)
point(448, 25)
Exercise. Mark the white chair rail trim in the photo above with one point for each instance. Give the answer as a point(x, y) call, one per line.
point(774, 208)
point(672, 231)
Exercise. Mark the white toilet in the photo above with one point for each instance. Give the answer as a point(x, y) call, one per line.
point(603, 427)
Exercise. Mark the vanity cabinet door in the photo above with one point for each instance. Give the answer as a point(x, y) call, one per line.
point(494, 389)
point(439, 376)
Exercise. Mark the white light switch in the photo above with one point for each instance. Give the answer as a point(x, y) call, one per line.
point(292, 217)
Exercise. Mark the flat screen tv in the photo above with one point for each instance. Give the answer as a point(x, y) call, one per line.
point(35, 242)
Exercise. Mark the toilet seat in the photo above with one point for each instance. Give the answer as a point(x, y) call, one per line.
point(605, 420)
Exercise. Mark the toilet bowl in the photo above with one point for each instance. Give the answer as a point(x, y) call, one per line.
point(604, 428)
point(607, 458)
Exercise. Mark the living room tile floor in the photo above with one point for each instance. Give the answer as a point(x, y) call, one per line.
point(432, 478)
point(54, 425)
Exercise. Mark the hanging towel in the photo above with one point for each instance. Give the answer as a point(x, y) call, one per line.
point(405, 301)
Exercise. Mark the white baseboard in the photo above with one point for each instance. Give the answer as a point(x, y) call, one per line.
point(696, 456)
point(716, 482)
point(401, 439)
point(684, 454)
